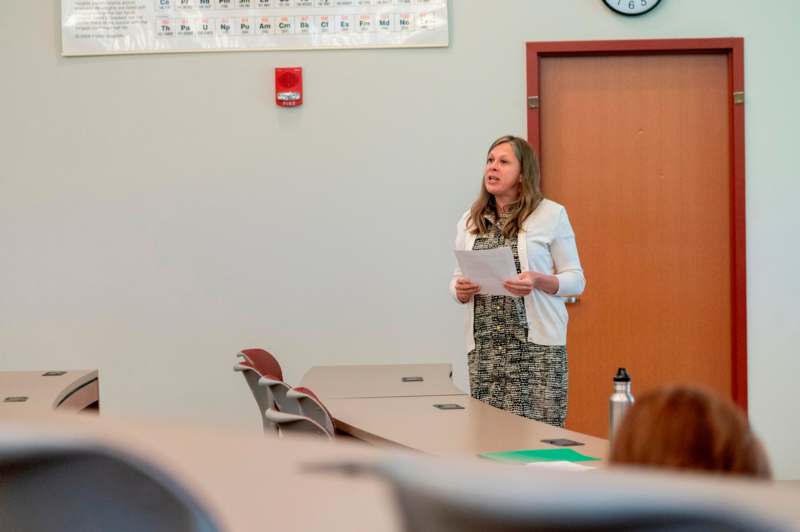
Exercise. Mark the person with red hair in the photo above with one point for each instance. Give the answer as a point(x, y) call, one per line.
point(689, 428)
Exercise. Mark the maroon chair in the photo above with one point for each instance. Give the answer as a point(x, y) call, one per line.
point(271, 377)
point(280, 412)
point(262, 394)
point(264, 362)
point(310, 406)
point(289, 425)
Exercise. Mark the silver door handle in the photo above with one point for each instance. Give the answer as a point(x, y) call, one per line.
point(571, 300)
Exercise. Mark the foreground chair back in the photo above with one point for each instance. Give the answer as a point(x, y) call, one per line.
point(435, 496)
point(75, 487)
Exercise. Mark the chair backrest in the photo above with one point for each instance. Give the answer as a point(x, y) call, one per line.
point(311, 406)
point(78, 486)
point(278, 390)
point(471, 497)
point(296, 425)
point(262, 394)
point(264, 362)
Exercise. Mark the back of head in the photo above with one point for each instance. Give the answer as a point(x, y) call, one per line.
point(689, 428)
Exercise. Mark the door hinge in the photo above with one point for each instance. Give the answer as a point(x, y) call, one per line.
point(738, 97)
point(533, 102)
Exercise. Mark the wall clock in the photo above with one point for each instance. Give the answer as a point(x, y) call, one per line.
point(631, 7)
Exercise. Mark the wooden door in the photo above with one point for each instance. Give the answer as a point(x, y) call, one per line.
point(638, 148)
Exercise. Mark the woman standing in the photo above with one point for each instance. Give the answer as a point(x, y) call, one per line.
point(517, 345)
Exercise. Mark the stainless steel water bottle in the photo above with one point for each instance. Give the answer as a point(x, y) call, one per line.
point(620, 401)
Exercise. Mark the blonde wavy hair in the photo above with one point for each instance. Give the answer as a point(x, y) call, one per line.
point(529, 196)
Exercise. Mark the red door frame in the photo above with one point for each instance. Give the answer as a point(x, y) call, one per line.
point(733, 47)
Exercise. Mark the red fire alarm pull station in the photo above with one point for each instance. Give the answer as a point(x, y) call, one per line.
point(289, 86)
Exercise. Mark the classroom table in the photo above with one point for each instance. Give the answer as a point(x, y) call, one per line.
point(25, 392)
point(416, 423)
point(380, 380)
point(374, 404)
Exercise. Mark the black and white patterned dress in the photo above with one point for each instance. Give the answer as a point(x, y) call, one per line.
point(505, 369)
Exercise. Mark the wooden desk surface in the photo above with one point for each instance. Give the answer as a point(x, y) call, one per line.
point(23, 392)
point(414, 423)
point(335, 382)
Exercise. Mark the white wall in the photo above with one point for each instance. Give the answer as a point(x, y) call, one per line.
point(159, 212)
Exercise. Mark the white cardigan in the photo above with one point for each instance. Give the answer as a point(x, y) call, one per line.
point(547, 239)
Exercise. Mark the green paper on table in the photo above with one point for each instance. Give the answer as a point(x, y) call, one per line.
point(538, 455)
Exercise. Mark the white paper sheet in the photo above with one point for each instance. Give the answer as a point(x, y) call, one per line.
point(488, 268)
point(560, 466)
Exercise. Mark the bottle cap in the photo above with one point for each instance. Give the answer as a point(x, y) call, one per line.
point(622, 376)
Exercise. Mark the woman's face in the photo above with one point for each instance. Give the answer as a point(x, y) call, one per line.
point(502, 175)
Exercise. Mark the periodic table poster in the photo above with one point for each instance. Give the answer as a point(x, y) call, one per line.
point(95, 27)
